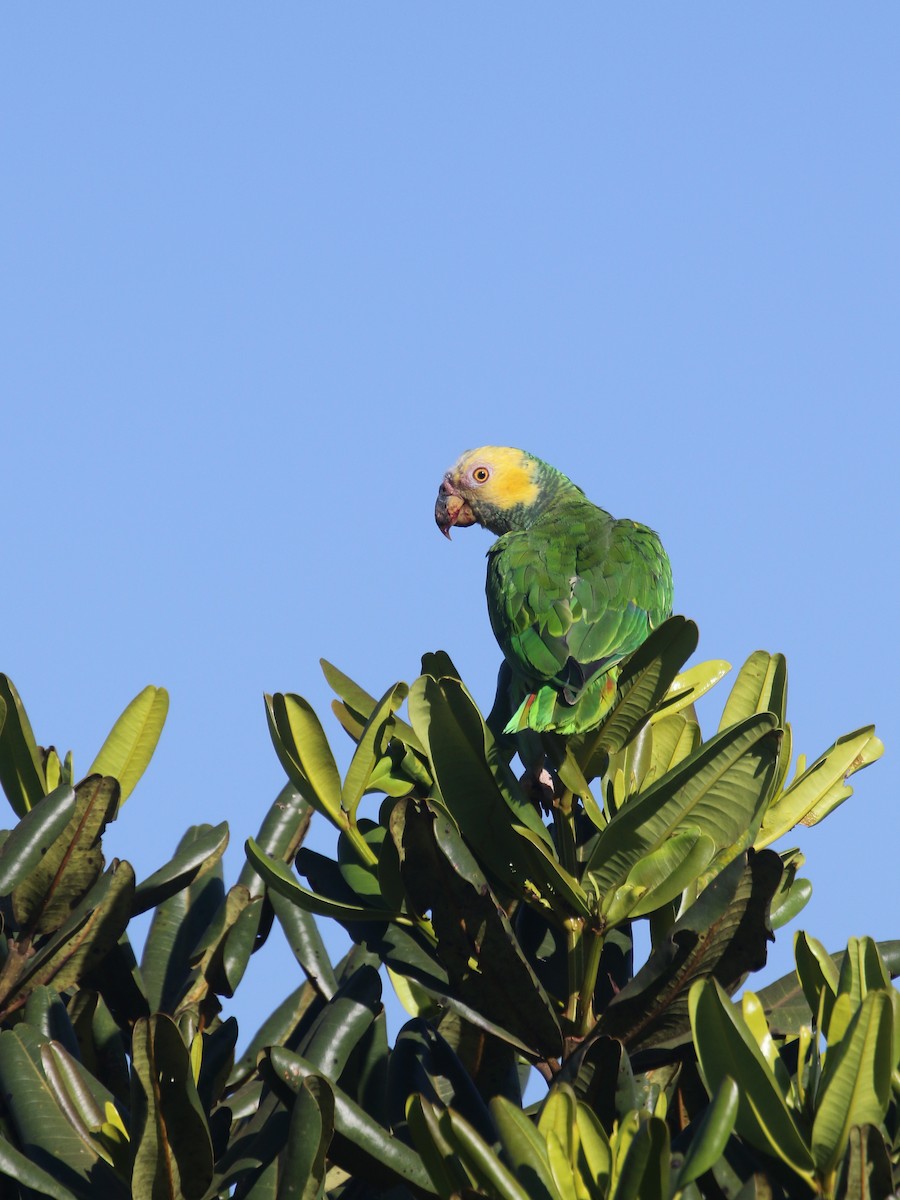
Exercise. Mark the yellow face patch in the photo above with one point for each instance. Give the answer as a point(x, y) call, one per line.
point(498, 475)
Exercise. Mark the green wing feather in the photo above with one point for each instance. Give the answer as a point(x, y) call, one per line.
point(569, 599)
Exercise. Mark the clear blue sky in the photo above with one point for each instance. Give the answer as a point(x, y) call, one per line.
point(267, 269)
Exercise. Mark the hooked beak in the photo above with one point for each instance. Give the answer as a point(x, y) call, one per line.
point(451, 509)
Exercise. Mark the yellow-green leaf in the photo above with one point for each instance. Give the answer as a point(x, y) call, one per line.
point(130, 744)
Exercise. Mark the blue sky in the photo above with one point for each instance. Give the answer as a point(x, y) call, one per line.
point(267, 270)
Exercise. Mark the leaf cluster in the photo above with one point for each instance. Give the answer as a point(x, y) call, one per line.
point(507, 910)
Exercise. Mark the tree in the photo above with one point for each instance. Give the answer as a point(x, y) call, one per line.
point(507, 933)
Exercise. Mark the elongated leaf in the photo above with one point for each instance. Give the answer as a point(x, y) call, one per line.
point(42, 1129)
point(172, 1147)
point(723, 935)
point(281, 833)
point(712, 1134)
point(304, 753)
point(485, 964)
point(448, 1175)
point(480, 1159)
point(72, 863)
point(167, 963)
point(76, 1092)
point(644, 1170)
point(558, 884)
point(29, 842)
point(360, 1142)
point(646, 678)
point(309, 1136)
point(189, 864)
point(856, 1083)
point(865, 1172)
point(278, 877)
point(305, 940)
point(92, 930)
point(361, 704)
point(372, 747)
point(475, 785)
point(20, 1167)
point(674, 738)
point(721, 790)
point(130, 744)
point(340, 1026)
point(822, 786)
point(688, 686)
point(21, 772)
point(786, 1006)
point(726, 1047)
point(760, 686)
point(666, 871)
point(524, 1149)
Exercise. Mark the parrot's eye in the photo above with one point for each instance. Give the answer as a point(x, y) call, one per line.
point(481, 474)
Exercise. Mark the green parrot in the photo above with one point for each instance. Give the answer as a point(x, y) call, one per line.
point(571, 591)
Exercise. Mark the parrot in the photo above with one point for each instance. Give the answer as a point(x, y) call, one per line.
point(571, 590)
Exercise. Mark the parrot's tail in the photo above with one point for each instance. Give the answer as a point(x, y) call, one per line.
point(546, 711)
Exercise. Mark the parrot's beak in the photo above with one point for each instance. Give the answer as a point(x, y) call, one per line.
point(451, 509)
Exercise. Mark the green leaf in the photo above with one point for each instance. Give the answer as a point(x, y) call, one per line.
point(645, 679)
point(760, 686)
point(821, 787)
point(304, 753)
point(361, 704)
point(855, 1088)
point(21, 772)
point(29, 842)
point(689, 686)
point(305, 940)
point(789, 901)
point(560, 889)
point(644, 1171)
point(91, 931)
point(865, 1171)
point(723, 934)
point(674, 738)
point(281, 833)
point(360, 1140)
point(372, 747)
point(343, 1021)
point(167, 963)
point(43, 1131)
point(666, 871)
point(721, 790)
point(20, 1167)
point(188, 865)
point(712, 1133)
point(278, 877)
point(726, 1047)
point(72, 863)
point(131, 742)
point(486, 1168)
point(172, 1149)
point(309, 1136)
point(475, 942)
point(817, 973)
point(476, 786)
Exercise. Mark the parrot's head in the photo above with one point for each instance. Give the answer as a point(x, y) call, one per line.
point(495, 486)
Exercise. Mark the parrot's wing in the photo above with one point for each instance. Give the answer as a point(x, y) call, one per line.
point(572, 599)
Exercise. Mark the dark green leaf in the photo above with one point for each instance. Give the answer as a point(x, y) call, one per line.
point(170, 1137)
point(193, 860)
point(363, 1145)
point(29, 842)
point(21, 772)
point(72, 863)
